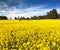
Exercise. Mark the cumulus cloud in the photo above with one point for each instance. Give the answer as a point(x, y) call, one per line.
point(58, 10)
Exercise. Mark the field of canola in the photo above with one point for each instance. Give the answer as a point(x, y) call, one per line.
point(30, 34)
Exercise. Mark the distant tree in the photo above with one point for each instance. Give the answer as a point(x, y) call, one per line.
point(22, 18)
point(15, 18)
point(3, 18)
point(27, 18)
point(34, 17)
point(10, 18)
point(59, 16)
point(52, 14)
point(18, 18)
point(48, 15)
point(42, 17)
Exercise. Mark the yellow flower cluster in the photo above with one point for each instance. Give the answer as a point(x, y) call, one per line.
point(30, 34)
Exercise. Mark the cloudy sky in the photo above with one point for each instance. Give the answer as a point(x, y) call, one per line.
point(27, 8)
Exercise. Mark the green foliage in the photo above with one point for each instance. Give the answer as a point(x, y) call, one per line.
point(15, 18)
point(52, 14)
point(3, 17)
point(22, 18)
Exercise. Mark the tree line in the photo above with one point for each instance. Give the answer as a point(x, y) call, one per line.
point(53, 14)
point(3, 18)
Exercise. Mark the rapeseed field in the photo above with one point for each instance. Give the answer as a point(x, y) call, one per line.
point(30, 34)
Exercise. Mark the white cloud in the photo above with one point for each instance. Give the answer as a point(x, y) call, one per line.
point(58, 10)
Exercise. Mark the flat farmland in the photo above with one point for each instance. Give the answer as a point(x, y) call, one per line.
point(30, 34)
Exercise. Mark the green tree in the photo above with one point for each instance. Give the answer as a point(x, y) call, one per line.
point(52, 14)
point(10, 18)
point(27, 18)
point(15, 18)
point(3, 17)
point(22, 18)
point(34, 17)
point(18, 18)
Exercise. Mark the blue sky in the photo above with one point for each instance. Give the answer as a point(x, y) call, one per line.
point(27, 8)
